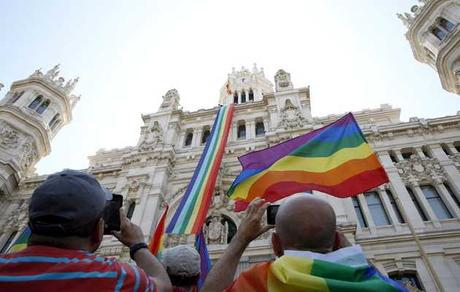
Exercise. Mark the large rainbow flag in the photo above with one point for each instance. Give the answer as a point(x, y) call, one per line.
point(335, 159)
point(192, 210)
point(21, 242)
point(156, 244)
point(294, 273)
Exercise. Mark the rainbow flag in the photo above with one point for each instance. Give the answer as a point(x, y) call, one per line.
point(21, 242)
point(293, 273)
point(335, 159)
point(192, 210)
point(205, 261)
point(157, 242)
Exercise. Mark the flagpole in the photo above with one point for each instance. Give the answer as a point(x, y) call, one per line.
point(423, 254)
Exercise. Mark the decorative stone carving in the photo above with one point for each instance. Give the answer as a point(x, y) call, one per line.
point(53, 72)
point(170, 100)
point(173, 240)
point(418, 169)
point(133, 186)
point(29, 155)
point(283, 80)
point(18, 217)
point(216, 230)
point(152, 137)
point(291, 117)
point(9, 137)
point(456, 159)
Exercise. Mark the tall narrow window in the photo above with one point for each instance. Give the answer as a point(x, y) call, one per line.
point(392, 156)
point(8, 242)
point(33, 105)
point(130, 212)
point(446, 149)
point(376, 207)
point(446, 24)
point(188, 139)
point(452, 194)
point(359, 212)
point(439, 33)
point(251, 95)
point(54, 121)
point(205, 135)
point(426, 151)
point(235, 97)
point(260, 128)
point(243, 96)
point(395, 207)
point(16, 96)
point(417, 204)
point(436, 202)
point(241, 131)
point(43, 106)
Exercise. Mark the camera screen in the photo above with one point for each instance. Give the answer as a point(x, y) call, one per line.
point(271, 214)
point(112, 214)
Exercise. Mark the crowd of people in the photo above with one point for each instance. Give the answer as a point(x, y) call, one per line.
point(67, 225)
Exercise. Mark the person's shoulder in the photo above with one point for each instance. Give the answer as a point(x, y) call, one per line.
point(135, 277)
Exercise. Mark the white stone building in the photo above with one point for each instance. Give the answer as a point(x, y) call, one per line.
point(434, 35)
point(421, 157)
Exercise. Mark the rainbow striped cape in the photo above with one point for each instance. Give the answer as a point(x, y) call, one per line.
point(192, 210)
point(21, 242)
point(335, 159)
point(156, 244)
point(303, 273)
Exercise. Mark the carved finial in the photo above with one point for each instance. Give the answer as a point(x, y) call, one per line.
point(254, 68)
point(53, 72)
point(404, 20)
point(70, 85)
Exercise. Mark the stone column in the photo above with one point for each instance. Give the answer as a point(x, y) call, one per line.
point(398, 155)
point(366, 213)
point(234, 132)
point(251, 130)
point(398, 188)
point(451, 171)
point(446, 197)
point(197, 137)
point(388, 208)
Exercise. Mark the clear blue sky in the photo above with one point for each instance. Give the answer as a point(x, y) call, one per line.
point(353, 54)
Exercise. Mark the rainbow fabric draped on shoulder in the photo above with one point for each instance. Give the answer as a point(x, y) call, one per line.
point(335, 159)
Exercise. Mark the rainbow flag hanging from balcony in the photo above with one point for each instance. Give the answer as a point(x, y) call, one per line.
point(335, 159)
point(192, 210)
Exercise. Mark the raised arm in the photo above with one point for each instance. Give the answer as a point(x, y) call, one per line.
point(130, 234)
point(222, 273)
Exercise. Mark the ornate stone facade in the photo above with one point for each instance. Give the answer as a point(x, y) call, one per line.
point(419, 155)
point(434, 35)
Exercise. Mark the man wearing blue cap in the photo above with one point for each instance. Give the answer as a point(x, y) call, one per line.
point(66, 220)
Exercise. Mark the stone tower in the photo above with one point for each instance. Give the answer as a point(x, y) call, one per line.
point(434, 36)
point(31, 114)
point(245, 86)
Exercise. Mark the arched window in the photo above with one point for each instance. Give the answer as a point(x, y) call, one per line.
point(33, 105)
point(392, 156)
point(54, 121)
point(188, 139)
point(43, 106)
point(235, 97)
point(131, 207)
point(359, 212)
point(205, 135)
point(427, 151)
point(376, 208)
point(251, 95)
point(408, 280)
point(241, 131)
point(446, 24)
point(406, 153)
point(16, 96)
point(446, 149)
point(8, 242)
point(439, 33)
point(243, 96)
point(260, 128)
point(436, 203)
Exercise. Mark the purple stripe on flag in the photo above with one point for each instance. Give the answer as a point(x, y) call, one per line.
point(200, 245)
point(264, 158)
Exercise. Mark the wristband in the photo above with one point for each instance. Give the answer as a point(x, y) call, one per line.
point(135, 247)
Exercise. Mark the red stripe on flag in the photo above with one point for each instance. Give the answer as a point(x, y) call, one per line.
point(156, 241)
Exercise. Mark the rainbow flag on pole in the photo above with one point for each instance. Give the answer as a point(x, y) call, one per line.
point(335, 159)
point(157, 242)
point(192, 210)
point(21, 242)
point(205, 261)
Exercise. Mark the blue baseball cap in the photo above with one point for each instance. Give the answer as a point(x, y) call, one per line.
point(66, 201)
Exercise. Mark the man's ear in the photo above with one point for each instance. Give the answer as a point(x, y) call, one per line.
point(277, 245)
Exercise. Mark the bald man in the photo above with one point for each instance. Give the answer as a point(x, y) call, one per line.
point(305, 233)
